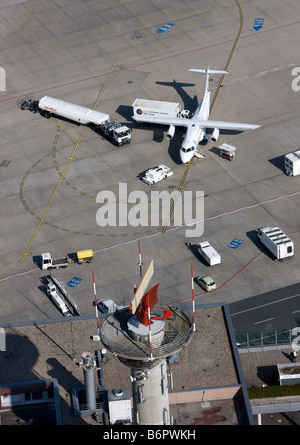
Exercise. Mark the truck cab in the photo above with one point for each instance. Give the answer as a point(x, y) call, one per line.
point(49, 263)
point(46, 260)
point(122, 135)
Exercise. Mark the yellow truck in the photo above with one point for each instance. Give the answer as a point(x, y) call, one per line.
point(84, 256)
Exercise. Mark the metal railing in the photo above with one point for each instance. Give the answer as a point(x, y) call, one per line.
point(260, 339)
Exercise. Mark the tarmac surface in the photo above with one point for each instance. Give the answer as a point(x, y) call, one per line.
point(105, 56)
point(48, 200)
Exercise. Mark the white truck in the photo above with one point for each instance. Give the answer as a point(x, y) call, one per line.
point(156, 108)
point(49, 263)
point(82, 256)
point(292, 163)
point(210, 255)
point(276, 241)
point(118, 134)
point(157, 173)
point(60, 296)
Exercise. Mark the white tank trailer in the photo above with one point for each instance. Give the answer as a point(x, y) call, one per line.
point(117, 133)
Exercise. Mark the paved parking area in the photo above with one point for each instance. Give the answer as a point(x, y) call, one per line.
point(112, 52)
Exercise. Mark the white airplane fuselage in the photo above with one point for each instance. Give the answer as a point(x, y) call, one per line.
point(197, 125)
point(195, 133)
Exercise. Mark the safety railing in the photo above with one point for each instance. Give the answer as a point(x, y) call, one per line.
point(260, 339)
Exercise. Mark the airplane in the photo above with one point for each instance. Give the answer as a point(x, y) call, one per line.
point(196, 125)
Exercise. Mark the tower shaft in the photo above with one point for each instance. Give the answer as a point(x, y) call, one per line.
point(150, 395)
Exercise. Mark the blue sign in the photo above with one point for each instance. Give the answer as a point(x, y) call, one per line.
point(258, 23)
point(74, 282)
point(164, 28)
point(235, 243)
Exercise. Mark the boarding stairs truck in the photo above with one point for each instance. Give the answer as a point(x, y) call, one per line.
point(156, 108)
point(118, 134)
point(60, 296)
point(277, 242)
point(292, 163)
point(82, 256)
point(210, 255)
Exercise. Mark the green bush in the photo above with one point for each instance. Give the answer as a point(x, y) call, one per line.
point(274, 391)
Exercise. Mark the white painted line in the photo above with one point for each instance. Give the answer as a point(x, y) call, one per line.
point(263, 321)
point(267, 304)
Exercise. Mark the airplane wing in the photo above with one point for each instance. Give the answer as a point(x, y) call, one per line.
point(222, 125)
point(183, 122)
point(176, 121)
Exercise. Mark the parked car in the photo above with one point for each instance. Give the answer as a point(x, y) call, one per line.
point(107, 306)
point(207, 283)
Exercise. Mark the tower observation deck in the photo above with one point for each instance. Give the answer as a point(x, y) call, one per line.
point(143, 337)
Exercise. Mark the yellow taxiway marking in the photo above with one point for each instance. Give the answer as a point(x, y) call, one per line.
point(211, 106)
point(64, 172)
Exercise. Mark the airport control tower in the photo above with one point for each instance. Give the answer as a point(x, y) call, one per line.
point(142, 336)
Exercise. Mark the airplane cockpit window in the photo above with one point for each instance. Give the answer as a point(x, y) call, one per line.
point(186, 150)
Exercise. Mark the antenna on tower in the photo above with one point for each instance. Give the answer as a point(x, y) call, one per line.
point(140, 262)
point(193, 296)
point(96, 307)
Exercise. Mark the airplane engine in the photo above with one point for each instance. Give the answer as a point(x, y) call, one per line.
point(171, 132)
point(215, 135)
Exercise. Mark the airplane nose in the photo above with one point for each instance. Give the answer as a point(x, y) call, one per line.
point(186, 156)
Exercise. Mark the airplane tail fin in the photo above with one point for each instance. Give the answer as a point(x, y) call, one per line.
point(208, 71)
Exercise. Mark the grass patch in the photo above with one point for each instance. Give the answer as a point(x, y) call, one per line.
point(274, 391)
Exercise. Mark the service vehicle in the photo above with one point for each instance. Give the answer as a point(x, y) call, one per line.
point(158, 108)
point(227, 151)
point(117, 133)
point(276, 241)
point(210, 255)
point(107, 306)
point(82, 256)
point(58, 293)
point(157, 173)
point(292, 163)
point(49, 263)
point(206, 282)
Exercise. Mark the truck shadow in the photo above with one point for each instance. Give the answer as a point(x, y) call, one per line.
point(278, 162)
point(252, 235)
point(37, 260)
point(193, 249)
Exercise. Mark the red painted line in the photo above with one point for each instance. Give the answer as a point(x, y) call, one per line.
point(254, 34)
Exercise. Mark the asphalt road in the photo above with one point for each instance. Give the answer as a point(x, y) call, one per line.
point(278, 309)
